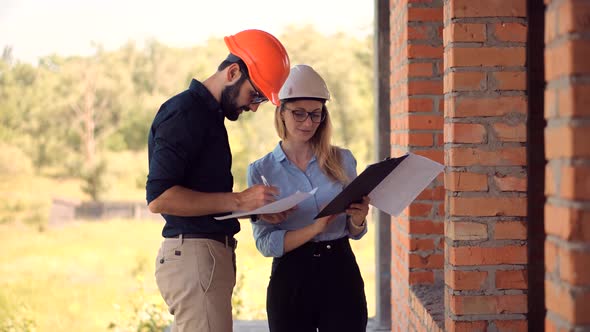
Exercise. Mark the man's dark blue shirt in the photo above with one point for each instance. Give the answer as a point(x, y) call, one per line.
point(188, 146)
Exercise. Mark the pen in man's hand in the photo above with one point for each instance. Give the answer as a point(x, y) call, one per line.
point(264, 181)
point(267, 184)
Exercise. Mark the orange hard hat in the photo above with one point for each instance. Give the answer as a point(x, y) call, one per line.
point(266, 58)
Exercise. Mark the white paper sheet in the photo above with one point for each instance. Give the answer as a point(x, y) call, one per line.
point(404, 183)
point(275, 207)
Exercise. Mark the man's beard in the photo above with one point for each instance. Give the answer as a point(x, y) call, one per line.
point(228, 104)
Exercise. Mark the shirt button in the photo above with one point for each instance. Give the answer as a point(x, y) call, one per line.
point(329, 246)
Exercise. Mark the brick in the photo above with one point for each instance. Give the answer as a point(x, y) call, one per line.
point(510, 183)
point(420, 69)
point(421, 244)
point(425, 122)
point(573, 101)
point(464, 133)
point(420, 32)
point(510, 133)
point(459, 230)
point(434, 154)
point(550, 325)
point(412, 139)
point(569, 306)
point(419, 51)
point(470, 256)
point(418, 210)
point(465, 326)
point(486, 8)
point(425, 87)
point(464, 81)
point(550, 103)
point(573, 266)
point(417, 104)
point(550, 257)
point(550, 25)
point(485, 57)
point(511, 325)
point(474, 107)
point(567, 141)
point(487, 206)
point(425, 227)
point(421, 277)
point(566, 59)
point(509, 156)
point(567, 223)
point(435, 261)
point(420, 139)
point(509, 80)
point(550, 183)
point(464, 32)
point(514, 279)
point(488, 305)
point(574, 16)
point(575, 182)
point(510, 32)
point(465, 280)
point(466, 181)
point(422, 14)
point(510, 230)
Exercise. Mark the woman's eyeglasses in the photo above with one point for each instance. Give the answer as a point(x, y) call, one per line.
point(300, 116)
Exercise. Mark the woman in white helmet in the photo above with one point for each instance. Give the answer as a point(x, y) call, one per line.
point(315, 280)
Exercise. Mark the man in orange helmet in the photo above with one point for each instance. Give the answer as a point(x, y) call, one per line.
point(190, 180)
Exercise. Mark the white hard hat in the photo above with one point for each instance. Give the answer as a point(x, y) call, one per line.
point(304, 82)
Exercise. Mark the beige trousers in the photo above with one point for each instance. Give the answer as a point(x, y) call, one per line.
point(196, 278)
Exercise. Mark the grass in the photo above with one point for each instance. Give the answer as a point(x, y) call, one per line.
point(87, 275)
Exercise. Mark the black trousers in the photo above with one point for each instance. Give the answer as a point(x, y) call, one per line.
point(317, 286)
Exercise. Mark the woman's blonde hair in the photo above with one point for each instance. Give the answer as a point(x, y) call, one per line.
point(327, 155)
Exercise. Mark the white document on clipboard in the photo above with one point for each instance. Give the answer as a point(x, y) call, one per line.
point(404, 184)
point(274, 207)
point(391, 184)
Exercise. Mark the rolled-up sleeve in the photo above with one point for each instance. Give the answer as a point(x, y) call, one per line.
point(270, 240)
point(168, 162)
point(350, 163)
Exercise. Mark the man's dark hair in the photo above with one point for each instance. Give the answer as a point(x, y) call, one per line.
point(234, 59)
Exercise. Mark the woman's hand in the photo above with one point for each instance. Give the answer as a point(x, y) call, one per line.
point(276, 218)
point(358, 211)
point(322, 223)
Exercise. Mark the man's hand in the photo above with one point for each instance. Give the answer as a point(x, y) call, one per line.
point(256, 196)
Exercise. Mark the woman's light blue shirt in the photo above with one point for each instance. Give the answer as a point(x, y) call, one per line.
point(281, 173)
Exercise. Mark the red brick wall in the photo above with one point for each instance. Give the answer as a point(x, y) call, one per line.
point(485, 153)
point(417, 126)
point(567, 147)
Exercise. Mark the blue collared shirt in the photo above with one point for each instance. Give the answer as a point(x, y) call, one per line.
point(281, 173)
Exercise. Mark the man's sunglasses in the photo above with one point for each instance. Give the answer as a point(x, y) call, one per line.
point(257, 96)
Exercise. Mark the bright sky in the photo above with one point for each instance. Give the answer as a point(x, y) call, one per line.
point(36, 28)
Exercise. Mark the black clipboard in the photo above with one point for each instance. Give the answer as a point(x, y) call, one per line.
point(361, 186)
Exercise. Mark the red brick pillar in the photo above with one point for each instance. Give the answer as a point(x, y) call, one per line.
point(485, 154)
point(416, 125)
point(567, 148)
